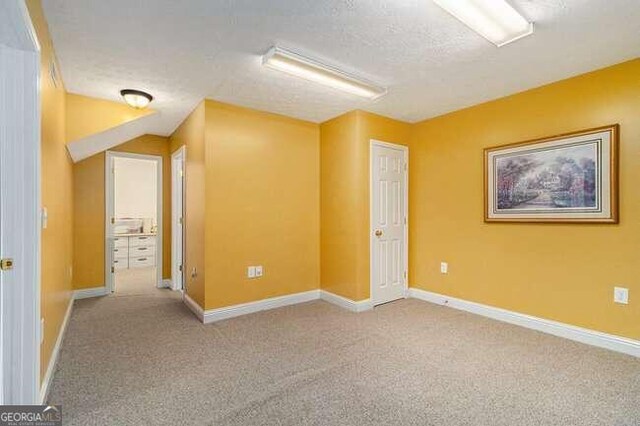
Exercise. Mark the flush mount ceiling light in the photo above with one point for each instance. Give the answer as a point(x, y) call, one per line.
point(309, 69)
point(495, 20)
point(136, 98)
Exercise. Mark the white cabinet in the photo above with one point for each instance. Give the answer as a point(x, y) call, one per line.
point(134, 251)
point(141, 262)
point(120, 263)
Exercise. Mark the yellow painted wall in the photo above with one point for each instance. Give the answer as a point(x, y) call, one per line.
point(87, 116)
point(339, 179)
point(563, 272)
point(57, 196)
point(89, 210)
point(345, 152)
point(262, 201)
point(191, 135)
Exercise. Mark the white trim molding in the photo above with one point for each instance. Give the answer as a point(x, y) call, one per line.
point(218, 314)
point(194, 307)
point(343, 302)
point(85, 293)
point(583, 335)
point(51, 368)
point(177, 217)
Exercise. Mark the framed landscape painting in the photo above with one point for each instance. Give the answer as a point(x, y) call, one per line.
point(566, 178)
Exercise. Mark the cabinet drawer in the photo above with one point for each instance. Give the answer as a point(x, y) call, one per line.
point(142, 262)
point(121, 252)
point(120, 263)
point(139, 251)
point(142, 241)
point(121, 242)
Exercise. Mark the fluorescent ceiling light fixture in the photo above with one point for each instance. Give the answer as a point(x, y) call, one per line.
point(136, 98)
point(309, 69)
point(495, 20)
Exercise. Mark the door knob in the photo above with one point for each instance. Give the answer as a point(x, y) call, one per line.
point(378, 233)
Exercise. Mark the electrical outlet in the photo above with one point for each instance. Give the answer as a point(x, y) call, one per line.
point(444, 268)
point(621, 295)
point(258, 271)
point(44, 218)
point(251, 272)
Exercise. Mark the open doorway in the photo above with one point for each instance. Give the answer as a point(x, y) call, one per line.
point(134, 223)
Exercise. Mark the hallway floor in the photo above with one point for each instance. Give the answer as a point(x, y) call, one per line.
point(137, 281)
point(146, 360)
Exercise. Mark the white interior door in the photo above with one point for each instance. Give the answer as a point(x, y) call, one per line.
point(19, 206)
point(388, 222)
point(109, 222)
point(177, 219)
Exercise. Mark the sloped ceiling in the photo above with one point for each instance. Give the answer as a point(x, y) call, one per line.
point(183, 51)
point(87, 146)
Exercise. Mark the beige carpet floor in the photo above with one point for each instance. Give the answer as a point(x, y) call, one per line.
point(145, 360)
point(136, 281)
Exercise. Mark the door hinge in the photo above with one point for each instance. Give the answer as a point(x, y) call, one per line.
point(405, 220)
point(113, 220)
point(6, 264)
point(113, 269)
point(180, 268)
point(180, 221)
point(405, 275)
point(181, 173)
point(405, 166)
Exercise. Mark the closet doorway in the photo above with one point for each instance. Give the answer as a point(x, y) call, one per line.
point(134, 223)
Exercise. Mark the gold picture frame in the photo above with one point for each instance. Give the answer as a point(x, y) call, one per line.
point(567, 178)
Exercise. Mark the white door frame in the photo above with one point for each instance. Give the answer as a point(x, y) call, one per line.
point(372, 238)
point(177, 218)
point(109, 213)
point(20, 205)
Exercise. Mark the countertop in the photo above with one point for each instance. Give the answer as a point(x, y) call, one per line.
point(136, 234)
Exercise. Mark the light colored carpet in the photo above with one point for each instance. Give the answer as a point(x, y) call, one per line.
point(135, 281)
point(146, 360)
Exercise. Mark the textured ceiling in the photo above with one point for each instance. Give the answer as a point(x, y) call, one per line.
point(183, 51)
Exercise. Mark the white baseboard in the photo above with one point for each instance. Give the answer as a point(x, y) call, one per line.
point(343, 302)
point(213, 315)
point(193, 306)
point(227, 312)
point(90, 292)
point(579, 334)
point(218, 314)
point(53, 360)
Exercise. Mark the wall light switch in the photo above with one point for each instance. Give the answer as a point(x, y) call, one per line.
point(621, 295)
point(251, 272)
point(444, 268)
point(258, 271)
